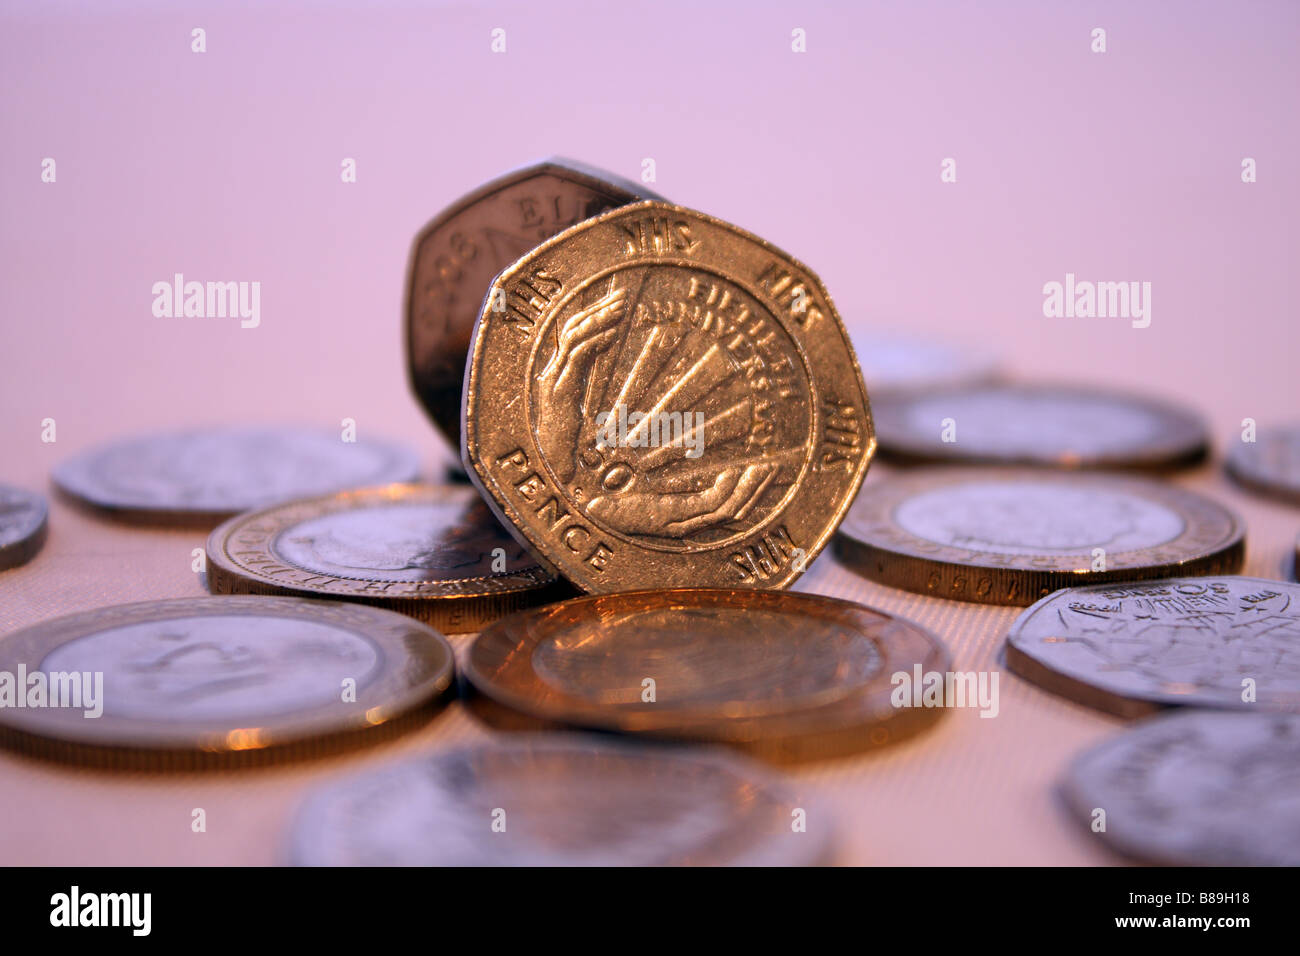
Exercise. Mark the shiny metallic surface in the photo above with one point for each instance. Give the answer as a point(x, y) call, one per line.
point(1012, 536)
point(1270, 465)
point(1131, 649)
point(435, 552)
point(744, 424)
point(559, 800)
point(785, 676)
point(457, 255)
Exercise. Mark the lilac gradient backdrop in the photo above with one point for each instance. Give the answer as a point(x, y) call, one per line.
point(226, 166)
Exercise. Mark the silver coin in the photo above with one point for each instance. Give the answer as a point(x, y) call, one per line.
point(1227, 642)
point(1041, 425)
point(1196, 788)
point(210, 474)
point(1269, 465)
point(894, 363)
point(558, 800)
point(23, 525)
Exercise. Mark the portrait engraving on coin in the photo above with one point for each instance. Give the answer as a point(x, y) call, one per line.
point(1231, 642)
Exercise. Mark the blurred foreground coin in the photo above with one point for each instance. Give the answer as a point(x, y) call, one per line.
point(559, 800)
point(785, 676)
point(434, 552)
point(1012, 536)
point(656, 398)
point(456, 256)
point(202, 681)
point(1270, 465)
point(208, 475)
point(23, 525)
point(1229, 642)
point(1196, 789)
point(1041, 425)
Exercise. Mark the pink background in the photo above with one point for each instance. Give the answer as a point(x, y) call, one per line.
point(225, 166)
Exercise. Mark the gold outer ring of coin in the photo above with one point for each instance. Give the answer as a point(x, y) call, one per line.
point(509, 692)
point(656, 305)
point(457, 254)
point(1182, 439)
point(870, 542)
point(242, 559)
point(418, 662)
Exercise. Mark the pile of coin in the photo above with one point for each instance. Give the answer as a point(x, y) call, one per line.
point(664, 422)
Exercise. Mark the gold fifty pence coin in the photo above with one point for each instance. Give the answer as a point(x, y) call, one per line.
point(456, 256)
point(197, 682)
point(565, 800)
point(784, 675)
point(1012, 536)
point(1037, 425)
point(434, 552)
point(656, 398)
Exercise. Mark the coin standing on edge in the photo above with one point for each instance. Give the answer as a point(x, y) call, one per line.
point(1131, 649)
point(457, 255)
point(436, 553)
point(196, 682)
point(1038, 425)
point(1196, 788)
point(785, 676)
point(1012, 536)
point(1270, 465)
point(656, 398)
point(559, 800)
point(207, 475)
point(24, 525)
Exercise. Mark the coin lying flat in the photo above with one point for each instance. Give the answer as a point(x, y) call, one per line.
point(665, 400)
point(1132, 648)
point(1196, 788)
point(1270, 465)
point(558, 800)
point(786, 676)
point(23, 525)
point(456, 256)
point(433, 552)
point(1012, 536)
point(898, 363)
point(1040, 425)
point(207, 475)
point(200, 681)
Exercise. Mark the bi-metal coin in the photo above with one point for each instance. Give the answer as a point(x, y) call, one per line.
point(434, 552)
point(207, 475)
point(1012, 536)
point(561, 800)
point(656, 398)
point(785, 676)
point(1038, 425)
point(1130, 649)
point(1195, 788)
point(1270, 465)
point(23, 525)
point(457, 255)
point(199, 682)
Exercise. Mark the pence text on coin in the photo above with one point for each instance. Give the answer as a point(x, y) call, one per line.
point(656, 398)
point(434, 552)
point(1270, 465)
point(558, 800)
point(1229, 642)
point(1196, 788)
point(1012, 536)
point(208, 475)
point(1038, 425)
point(456, 256)
point(23, 525)
point(200, 681)
point(783, 675)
